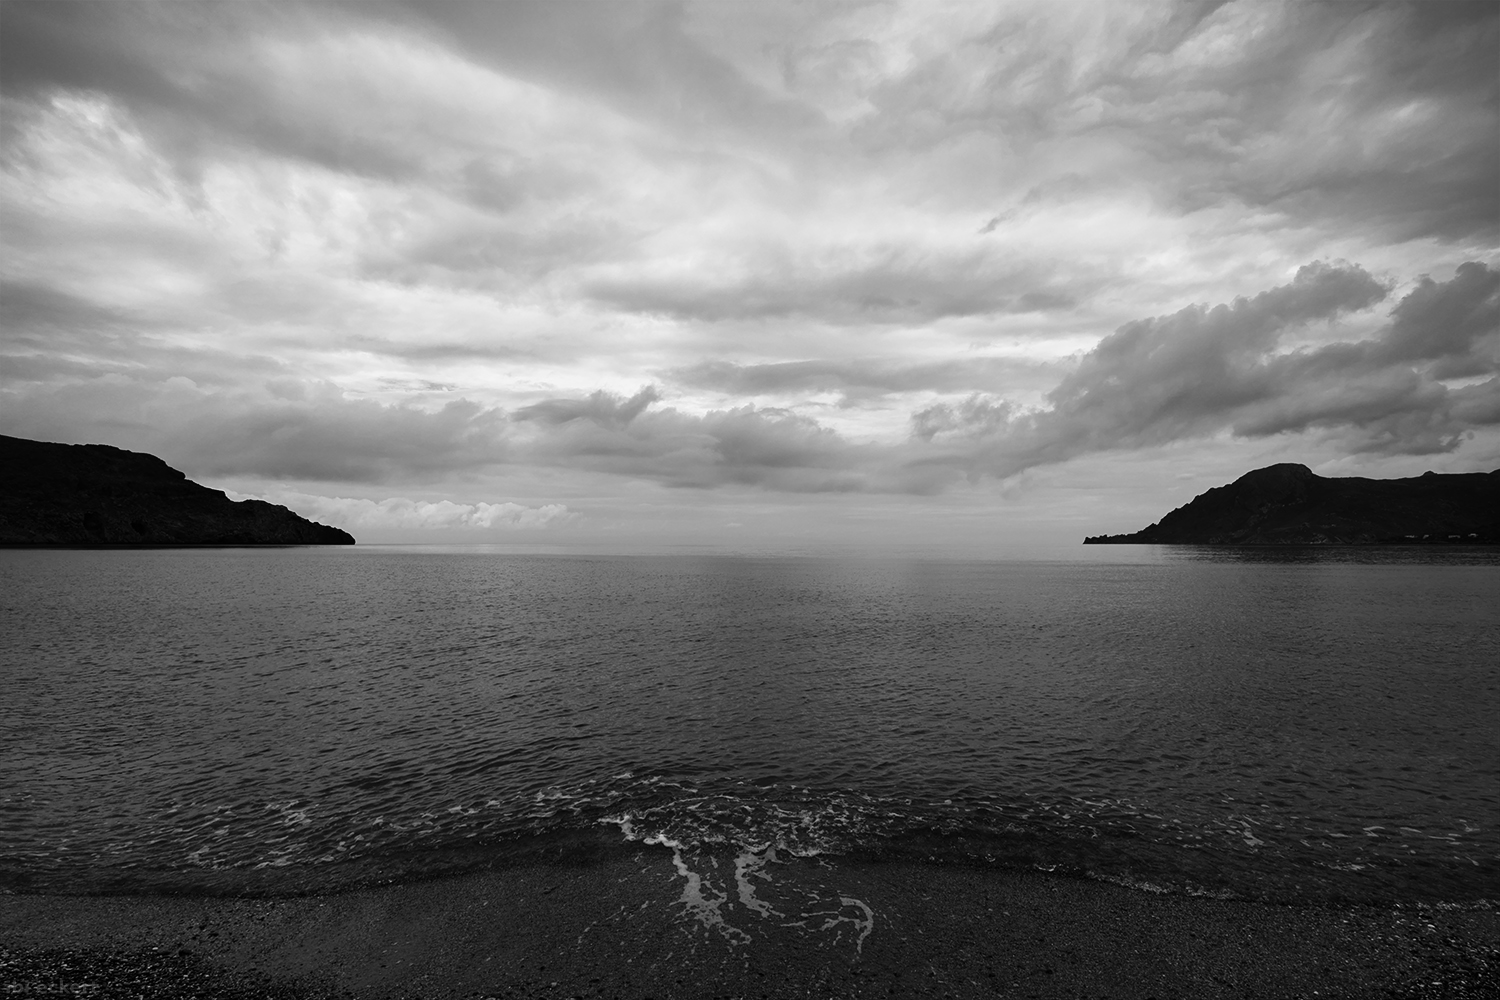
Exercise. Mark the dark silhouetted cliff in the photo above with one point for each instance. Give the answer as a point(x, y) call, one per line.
point(93, 494)
point(1291, 505)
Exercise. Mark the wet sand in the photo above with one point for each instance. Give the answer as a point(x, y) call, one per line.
point(653, 925)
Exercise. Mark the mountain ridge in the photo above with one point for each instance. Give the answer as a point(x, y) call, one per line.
point(1289, 504)
point(96, 494)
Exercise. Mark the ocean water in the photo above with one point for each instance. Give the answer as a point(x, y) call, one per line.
point(1288, 725)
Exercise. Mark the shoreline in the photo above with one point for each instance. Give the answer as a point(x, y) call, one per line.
point(652, 924)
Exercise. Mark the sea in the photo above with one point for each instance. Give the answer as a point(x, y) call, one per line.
point(1307, 726)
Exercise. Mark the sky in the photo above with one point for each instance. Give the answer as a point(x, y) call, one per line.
point(752, 277)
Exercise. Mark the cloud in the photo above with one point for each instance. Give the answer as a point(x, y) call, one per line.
point(976, 415)
point(333, 438)
point(856, 377)
point(1188, 375)
point(1388, 395)
point(283, 428)
point(1152, 378)
point(766, 447)
point(602, 408)
point(1387, 116)
point(452, 165)
point(1202, 371)
point(36, 307)
point(642, 57)
point(288, 429)
point(841, 285)
point(188, 75)
point(400, 513)
point(1334, 116)
point(1446, 322)
point(420, 243)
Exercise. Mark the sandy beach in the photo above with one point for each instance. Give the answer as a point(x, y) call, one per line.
point(643, 926)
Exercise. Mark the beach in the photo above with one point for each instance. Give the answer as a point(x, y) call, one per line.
point(637, 926)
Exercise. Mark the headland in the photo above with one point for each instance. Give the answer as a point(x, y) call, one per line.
point(98, 495)
point(1289, 504)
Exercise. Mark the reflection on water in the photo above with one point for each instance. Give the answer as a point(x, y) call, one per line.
point(1359, 555)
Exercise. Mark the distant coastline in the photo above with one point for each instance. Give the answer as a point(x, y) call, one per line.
point(98, 495)
point(1289, 504)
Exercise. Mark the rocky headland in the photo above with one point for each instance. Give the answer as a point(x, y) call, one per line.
point(1291, 505)
point(94, 494)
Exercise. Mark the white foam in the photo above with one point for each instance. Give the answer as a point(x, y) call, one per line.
point(706, 899)
point(864, 926)
point(836, 919)
point(703, 903)
point(751, 863)
point(626, 823)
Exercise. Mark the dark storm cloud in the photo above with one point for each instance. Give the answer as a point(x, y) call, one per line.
point(1446, 322)
point(1386, 395)
point(1201, 371)
point(1155, 376)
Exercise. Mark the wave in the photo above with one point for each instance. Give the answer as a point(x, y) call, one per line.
point(295, 846)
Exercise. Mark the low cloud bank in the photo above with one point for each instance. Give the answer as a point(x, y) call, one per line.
point(400, 513)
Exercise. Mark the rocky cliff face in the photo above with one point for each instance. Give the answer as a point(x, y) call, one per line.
point(92, 494)
point(1291, 505)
